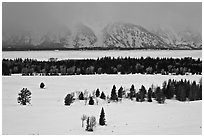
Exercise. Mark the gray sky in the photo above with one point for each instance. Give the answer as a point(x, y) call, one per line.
point(39, 17)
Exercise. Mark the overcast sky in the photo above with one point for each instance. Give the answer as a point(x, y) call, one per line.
point(52, 16)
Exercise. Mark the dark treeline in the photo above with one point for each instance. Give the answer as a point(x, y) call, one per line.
point(105, 65)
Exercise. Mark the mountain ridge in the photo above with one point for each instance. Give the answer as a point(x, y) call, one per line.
point(116, 35)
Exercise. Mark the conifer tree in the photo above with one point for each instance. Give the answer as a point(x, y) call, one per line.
point(192, 91)
point(187, 88)
point(97, 93)
point(170, 89)
point(81, 96)
point(149, 95)
point(132, 92)
point(102, 118)
point(103, 96)
point(113, 94)
point(160, 98)
point(200, 89)
point(120, 92)
point(197, 92)
point(142, 93)
point(164, 88)
point(137, 97)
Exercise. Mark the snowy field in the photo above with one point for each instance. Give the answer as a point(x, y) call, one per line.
point(94, 54)
point(48, 114)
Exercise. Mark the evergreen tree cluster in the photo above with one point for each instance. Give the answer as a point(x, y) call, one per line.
point(91, 100)
point(105, 65)
point(180, 90)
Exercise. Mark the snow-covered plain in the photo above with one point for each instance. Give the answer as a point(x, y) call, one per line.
point(48, 115)
point(94, 54)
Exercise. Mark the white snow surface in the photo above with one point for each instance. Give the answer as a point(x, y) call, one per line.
point(94, 54)
point(48, 115)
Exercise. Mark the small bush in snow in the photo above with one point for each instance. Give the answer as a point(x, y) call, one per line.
point(84, 117)
point(68, 100)
point(81, 96)
point(91, 101)
point(91, 123)
point(24, 96)
point(42, 85)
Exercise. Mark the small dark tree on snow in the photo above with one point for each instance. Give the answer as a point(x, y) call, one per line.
point(103, 96)
point(164, 88)
point(142, 93)
point(160, 97)
point(91, 101)
point(120, 92)
point(42, 85)
point(68, 100)
point(81, 96)
point(102, 118)
point(132, 92)
point(137, 97)
point(24, 96)
point(97, 93)
point(113, 94)
point(149, 95)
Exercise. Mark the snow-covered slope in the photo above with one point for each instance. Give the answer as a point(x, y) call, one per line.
point(184, 39)
point(127, 35)
point(48, 114)
point(84, 37)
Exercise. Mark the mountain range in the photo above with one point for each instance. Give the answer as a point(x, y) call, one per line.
point(112, 36)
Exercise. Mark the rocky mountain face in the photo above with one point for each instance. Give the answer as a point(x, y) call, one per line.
point(115, 35)
point(125, 35)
